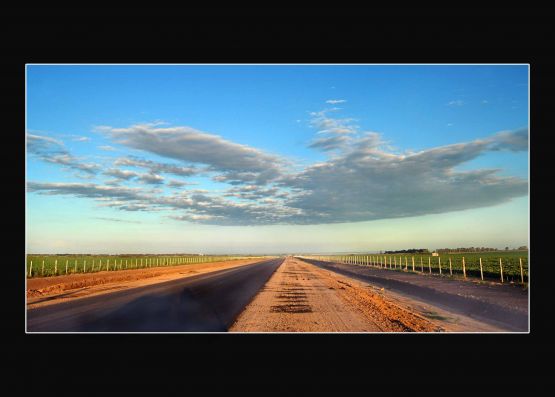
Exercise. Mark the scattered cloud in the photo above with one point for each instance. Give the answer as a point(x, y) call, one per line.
point(457, 102)
point(362, 178)
point(367, 183)
point(107, 148)
point(121, 174)
point(364, 183)
point(329, 143)
point(53, 151)
point(155, 167)
point(514, 141)
point(176, 183)
point(335, 101)
point(151, 179)
point(234, 161)
point(77, 138)
point(116, 220)
point(326, 124)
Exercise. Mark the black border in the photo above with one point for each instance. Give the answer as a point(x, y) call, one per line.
point(255, 35)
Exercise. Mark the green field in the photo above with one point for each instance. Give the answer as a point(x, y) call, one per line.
point(52, 265)
point(510, 262)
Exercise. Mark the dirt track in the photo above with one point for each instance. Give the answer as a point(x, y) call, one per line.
point(50, 290)
point(301, 297)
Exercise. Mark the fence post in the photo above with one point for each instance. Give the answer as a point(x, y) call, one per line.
point(481, 270)
point(430, 265)
point(406, 264)
point(56, 267)
point(421, 265)
point(439, 263)
point(42, 269)
point(450, 267)
point(75, 270)
point(501, 267)
point(464, 267)
point(519, 259)
point(31, 269)
point(413, 263)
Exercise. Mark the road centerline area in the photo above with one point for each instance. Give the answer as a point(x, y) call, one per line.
point(300, 297)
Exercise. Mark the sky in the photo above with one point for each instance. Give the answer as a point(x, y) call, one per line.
point(275, 158)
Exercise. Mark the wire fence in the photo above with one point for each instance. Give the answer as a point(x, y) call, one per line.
point(56, 265)
point(505, 268)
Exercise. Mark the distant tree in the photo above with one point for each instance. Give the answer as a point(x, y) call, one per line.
point(523, 248)
point(506, 248)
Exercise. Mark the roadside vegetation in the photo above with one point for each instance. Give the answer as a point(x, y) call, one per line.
point(56, 265)
point(503, 266)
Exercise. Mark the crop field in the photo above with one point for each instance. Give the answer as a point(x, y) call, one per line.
point(56, 265)
point(496, 265)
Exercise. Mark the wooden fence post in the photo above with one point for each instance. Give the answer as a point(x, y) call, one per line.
point(421, 265)
point(406, 264)
point(450, 267)
point(42, 269)
point(413, 263)
point(430, 265)
point(439, 263)
point(519, 259)
point(31, 269)
point(75, 270)
point(56, 267)
point(464, 267)
point(481, 270)
point(501, 268)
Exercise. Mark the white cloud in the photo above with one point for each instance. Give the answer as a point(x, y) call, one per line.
point(107, 148)
point(53, 151)
point(156, 167)
point(80, 138)
point(335, 101)
point(363, 180)
point(192, 146)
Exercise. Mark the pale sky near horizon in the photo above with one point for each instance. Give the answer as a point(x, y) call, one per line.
point(275, 158)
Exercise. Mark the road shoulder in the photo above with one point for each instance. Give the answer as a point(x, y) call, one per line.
point(52, 290)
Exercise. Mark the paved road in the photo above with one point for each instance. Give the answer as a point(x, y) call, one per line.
point(207, 302)
point(505, 306)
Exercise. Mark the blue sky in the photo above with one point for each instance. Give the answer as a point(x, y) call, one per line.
point(246, 158)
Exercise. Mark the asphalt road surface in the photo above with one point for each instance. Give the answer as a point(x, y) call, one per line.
point(207, 302)
point(505, 306)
